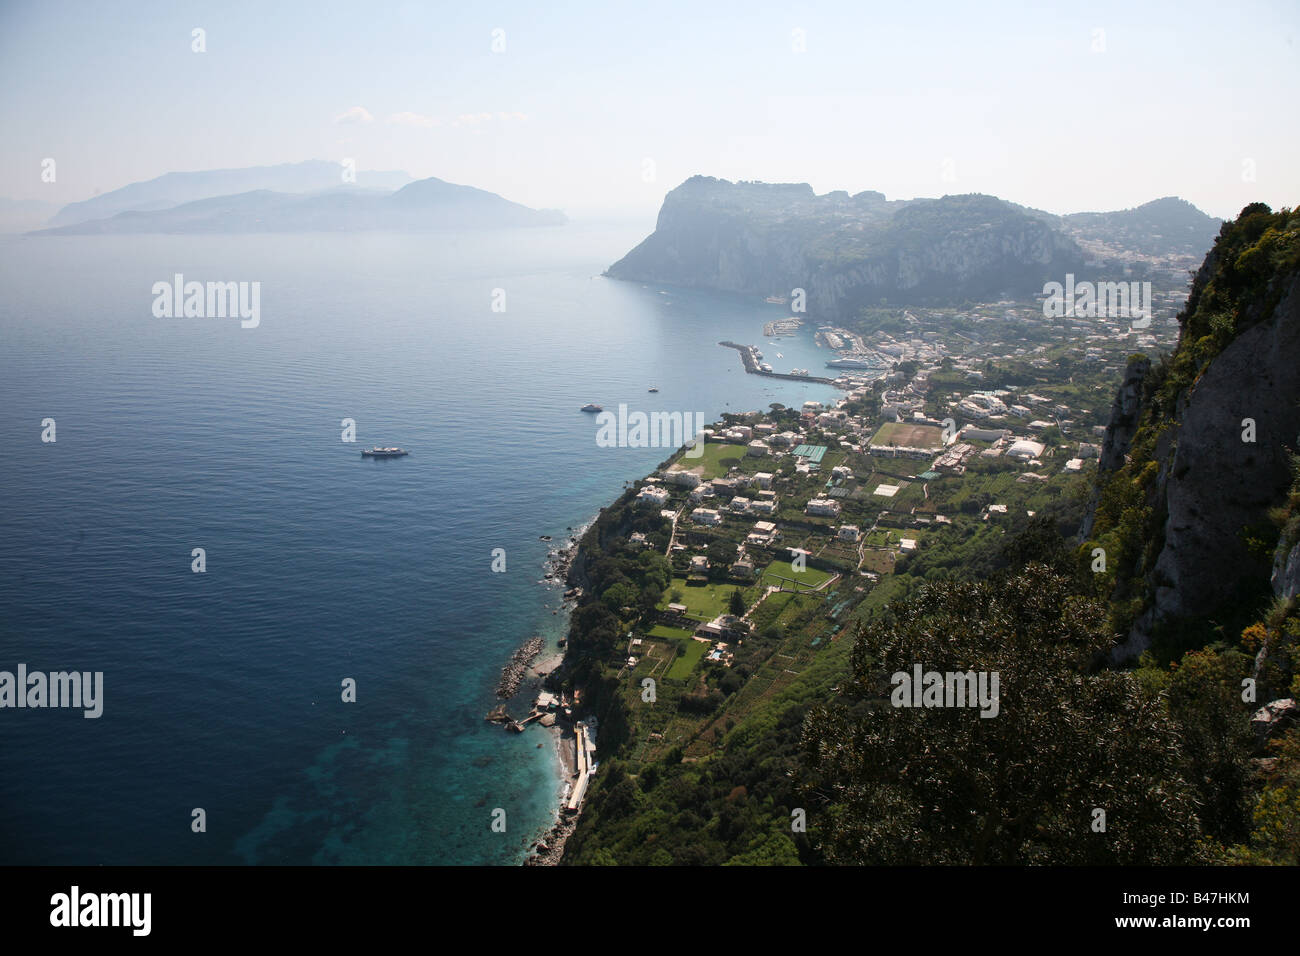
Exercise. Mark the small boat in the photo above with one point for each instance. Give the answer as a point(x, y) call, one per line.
point(654, 388)
point(591, 407)
point(383, 452)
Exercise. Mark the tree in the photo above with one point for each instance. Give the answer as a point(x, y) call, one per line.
point(1205, 698)
point(910, 785)
point(737, 603)
point(721, 553)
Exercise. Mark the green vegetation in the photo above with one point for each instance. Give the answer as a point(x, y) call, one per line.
point(797, 715)
point(1018, 788)
point(704, 602)
point(716, 461)
point(777, 570)
point(688, 655)
point(1238, 287)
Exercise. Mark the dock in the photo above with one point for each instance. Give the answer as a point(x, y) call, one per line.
point(750, 361)
point(583, 760)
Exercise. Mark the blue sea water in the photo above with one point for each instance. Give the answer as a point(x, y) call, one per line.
point(222, 690)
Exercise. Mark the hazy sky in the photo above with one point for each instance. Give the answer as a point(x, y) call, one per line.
point(911, 99)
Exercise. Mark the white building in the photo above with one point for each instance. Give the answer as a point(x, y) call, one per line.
point(706, 516)
point(686, 479)
point(652, 496)
point(828, 507)
point(1025, 449)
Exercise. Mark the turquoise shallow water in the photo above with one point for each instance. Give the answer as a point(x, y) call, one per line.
point(222, 689)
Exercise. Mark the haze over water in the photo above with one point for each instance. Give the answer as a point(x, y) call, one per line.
point(222, 689)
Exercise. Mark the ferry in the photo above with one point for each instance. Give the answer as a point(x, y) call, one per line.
point(776, 300)
point(852, 363)
point(383, 452)
point(592, 407)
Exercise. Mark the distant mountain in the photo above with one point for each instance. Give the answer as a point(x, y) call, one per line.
point(847, 251)
point(426, 204)
point(20, 215)
point(1162, 227)
point(173, 189)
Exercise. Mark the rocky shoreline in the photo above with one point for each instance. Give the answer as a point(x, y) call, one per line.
point(559, 561)
point(512, 674)
point(548, 850)
point(558, 570)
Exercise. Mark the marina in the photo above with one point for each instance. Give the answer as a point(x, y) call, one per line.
point(788, 326)
point(750, 356)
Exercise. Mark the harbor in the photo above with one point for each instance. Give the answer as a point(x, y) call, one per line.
point(780, 327)
point(751, 357)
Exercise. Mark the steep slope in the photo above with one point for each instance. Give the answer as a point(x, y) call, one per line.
point(847, 252)
point(1190, 476)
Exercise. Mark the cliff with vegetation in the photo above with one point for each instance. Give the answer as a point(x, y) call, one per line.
point(1188, 754)
point(1199, 451)
point(848, 252)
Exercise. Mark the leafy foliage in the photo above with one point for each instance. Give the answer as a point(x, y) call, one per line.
point(945, 785)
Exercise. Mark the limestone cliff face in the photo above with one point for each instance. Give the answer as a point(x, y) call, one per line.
point(1213, 446)
point(1218, 484)
point(846, 251)
point(1120, 430)
point(1286, 571)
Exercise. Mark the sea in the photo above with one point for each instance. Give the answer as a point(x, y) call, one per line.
point(299, 645)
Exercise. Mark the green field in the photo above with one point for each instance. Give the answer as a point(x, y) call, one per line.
point(703, 602)
point(682, 665)
point(809, 576)
point(716, 460)
point(669, 633)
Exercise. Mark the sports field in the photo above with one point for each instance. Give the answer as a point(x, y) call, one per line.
point(909, 436)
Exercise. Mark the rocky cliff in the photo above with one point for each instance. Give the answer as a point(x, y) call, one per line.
point(1190, 479)
point(852, 251)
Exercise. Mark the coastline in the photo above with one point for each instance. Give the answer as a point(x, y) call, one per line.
point(547, 847)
